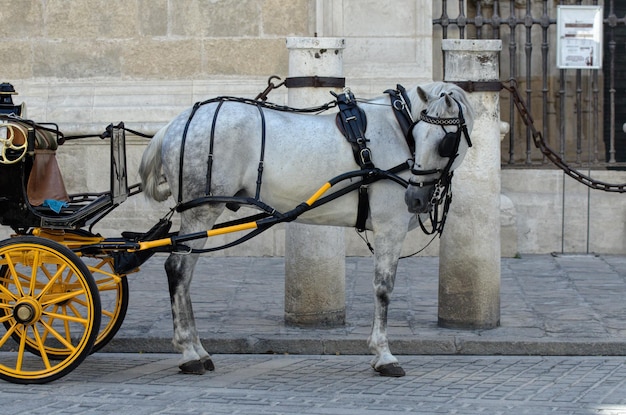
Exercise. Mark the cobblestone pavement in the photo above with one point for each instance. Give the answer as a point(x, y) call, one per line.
point(115, 383)
point(559, 349)
point(550, 305)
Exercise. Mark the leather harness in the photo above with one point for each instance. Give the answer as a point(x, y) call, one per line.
point(352, 122)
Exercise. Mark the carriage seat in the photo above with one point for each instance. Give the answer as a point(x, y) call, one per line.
point(45, 180)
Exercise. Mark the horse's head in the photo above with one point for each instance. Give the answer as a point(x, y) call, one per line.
point(441, 137)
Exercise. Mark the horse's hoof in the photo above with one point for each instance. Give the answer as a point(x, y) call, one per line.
point(392, 370)
point(194, 367)
point(208, 363)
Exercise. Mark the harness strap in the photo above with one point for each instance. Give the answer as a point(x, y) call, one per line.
point(402, 110)
point(262, 158)
point(182, 151)
point(211, 143)
point(363, 209)
point(352, 122)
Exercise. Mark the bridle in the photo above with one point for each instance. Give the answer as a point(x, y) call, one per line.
point(448, 148)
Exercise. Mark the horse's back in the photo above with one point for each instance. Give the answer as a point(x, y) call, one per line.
point(298, 153)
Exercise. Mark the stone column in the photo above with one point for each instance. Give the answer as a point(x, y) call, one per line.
point(469, 252)
point(314, 255)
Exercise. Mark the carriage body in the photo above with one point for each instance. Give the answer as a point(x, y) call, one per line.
point(30, 185)
point(57, 304)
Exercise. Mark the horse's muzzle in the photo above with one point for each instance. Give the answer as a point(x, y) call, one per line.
point(418, 198)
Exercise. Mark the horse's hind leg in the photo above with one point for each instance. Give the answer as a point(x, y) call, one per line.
point(179, 269)
point(195, 359)
point(387, 252)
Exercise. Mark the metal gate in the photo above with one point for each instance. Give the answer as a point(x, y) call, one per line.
point(580, 111)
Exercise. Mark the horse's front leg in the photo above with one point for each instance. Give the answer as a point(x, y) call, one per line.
point(195, 359)
point(387, 252)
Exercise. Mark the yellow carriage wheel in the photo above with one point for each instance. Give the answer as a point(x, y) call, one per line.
point(113, 292)
point(113, 289)
point(49, 304)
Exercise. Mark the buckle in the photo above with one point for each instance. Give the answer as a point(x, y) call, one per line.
point(366, 156)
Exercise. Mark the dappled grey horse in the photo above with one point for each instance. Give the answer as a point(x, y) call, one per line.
point(415, 138)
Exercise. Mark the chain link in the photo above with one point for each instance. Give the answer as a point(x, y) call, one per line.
point(550, 154)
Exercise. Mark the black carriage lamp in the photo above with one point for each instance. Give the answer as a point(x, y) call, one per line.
point(6, 101)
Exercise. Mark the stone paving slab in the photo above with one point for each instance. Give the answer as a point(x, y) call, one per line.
point(550, 305)
point(126, 383)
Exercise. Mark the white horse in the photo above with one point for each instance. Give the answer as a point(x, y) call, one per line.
point(223, 142)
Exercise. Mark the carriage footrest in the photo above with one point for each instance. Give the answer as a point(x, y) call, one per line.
point(126, 262)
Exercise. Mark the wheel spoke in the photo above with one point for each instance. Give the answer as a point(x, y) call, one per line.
point(59, 337)
point(80, 301)
point(8, 334)
point(108, 313)
point(49, 323)
point(14, 275)
point(6, 294)
point(57, 299)
point(52, 280)
point(74, 319)
point(33, 275)
point(42, 347)
point(20, 352)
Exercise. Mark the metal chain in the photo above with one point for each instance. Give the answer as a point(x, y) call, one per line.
point(550, 154)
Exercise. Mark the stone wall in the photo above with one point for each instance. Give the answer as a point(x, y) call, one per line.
point(554, 213)
point(85, 63)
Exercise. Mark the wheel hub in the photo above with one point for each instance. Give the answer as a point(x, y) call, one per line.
point(27, 311)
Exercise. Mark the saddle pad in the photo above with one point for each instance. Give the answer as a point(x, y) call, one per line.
point(352, 122)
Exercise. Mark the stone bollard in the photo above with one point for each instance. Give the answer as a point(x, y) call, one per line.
point(314, 255)
point(469, 252)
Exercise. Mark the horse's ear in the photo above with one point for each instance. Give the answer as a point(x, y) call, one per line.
point(423, 95)
point(448, 100)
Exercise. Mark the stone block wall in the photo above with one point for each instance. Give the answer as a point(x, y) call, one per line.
point(84, 63)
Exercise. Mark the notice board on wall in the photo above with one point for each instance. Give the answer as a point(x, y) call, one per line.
point(579, 37)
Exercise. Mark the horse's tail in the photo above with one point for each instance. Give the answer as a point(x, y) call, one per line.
point(150, 169)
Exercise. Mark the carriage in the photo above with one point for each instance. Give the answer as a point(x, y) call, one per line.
point(63, 288)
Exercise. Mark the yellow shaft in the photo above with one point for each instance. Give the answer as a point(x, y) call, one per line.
point(168, 241)
point(318, 194)
point(228, 229)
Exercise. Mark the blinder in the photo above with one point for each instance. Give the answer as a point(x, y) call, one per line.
point(449, 144)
